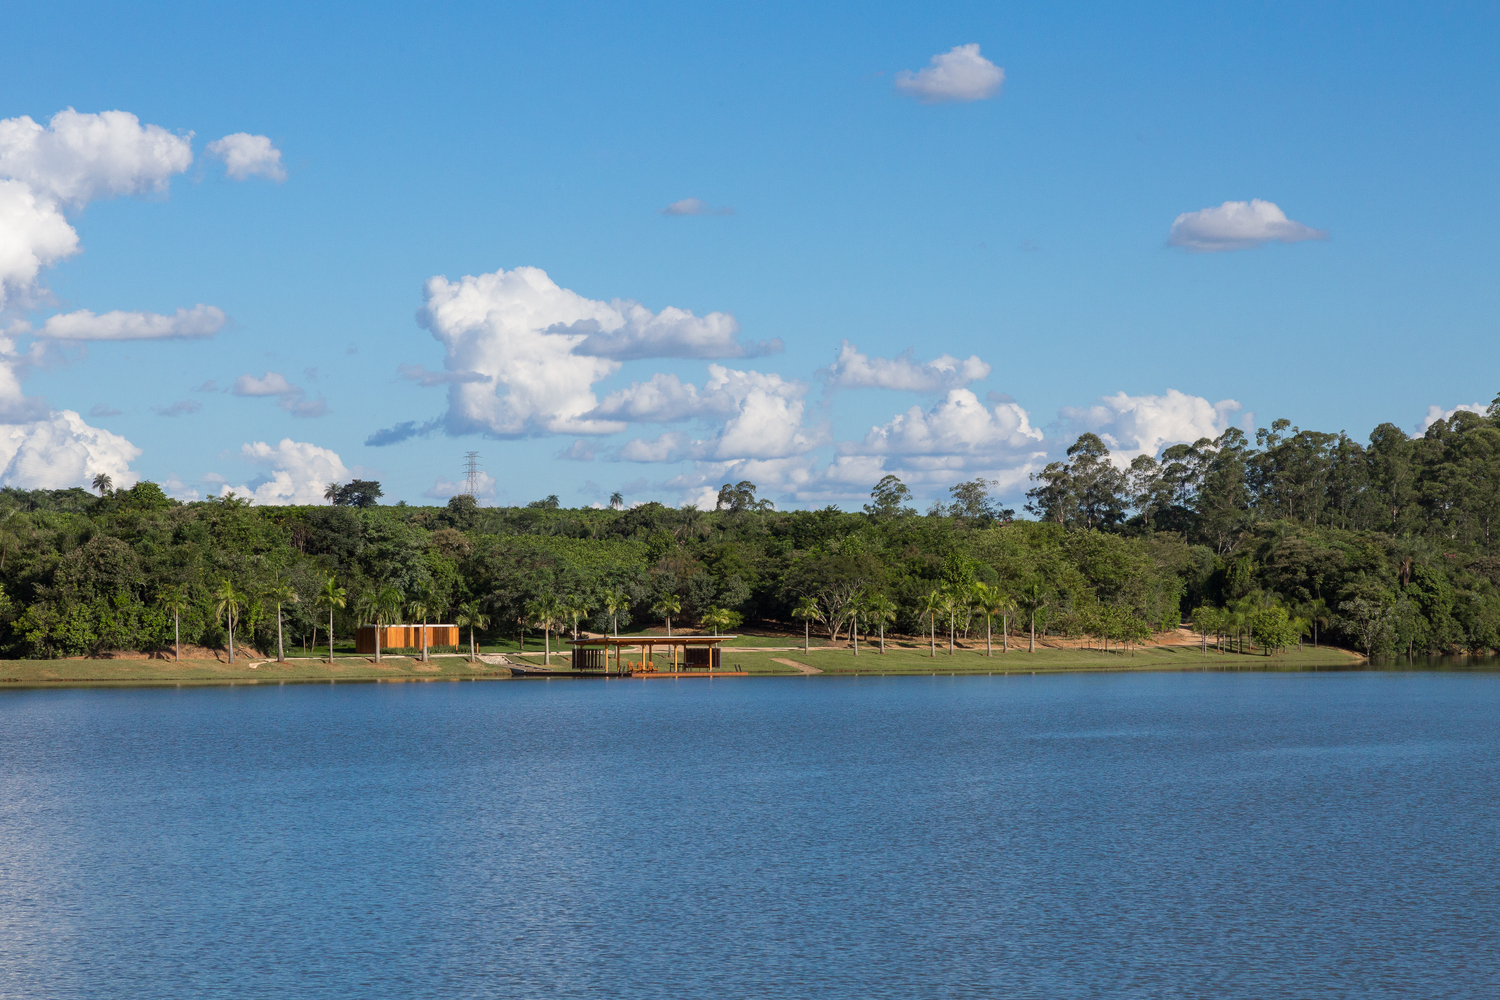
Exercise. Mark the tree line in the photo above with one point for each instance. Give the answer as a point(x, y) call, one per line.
point(1384, 547)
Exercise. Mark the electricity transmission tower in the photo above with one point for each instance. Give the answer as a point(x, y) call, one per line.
point(471, 474)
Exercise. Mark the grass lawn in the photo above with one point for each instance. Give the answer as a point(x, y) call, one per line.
point(915, 660)
point(32, 673)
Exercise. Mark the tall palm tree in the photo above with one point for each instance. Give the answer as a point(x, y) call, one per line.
point(387, 608)
point(331, 596)
point(578, 608)
point(227, 607)
point(471, 617)
point(930, 607)
point(281, 594)
point(1032, 599)
point(103, 483)
point(880, 609)
point(668, 606)
point(419, 611)
point(616, 500)
point(991, 601)
point(174, 600)
point(616, 601)
point(807, 609)
point(545, 614)
point(954, 600)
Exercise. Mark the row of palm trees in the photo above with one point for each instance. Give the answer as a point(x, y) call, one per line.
point(380, 607)
point(954, 602)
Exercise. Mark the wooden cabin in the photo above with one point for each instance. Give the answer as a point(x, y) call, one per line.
point(408, 636)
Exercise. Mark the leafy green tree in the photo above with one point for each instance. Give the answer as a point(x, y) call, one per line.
point(1206, 622)
point(356, 493)
point(1367, 621)
point(1273, 628)
point(740, 498)
point(550, 503)
point(890, 499)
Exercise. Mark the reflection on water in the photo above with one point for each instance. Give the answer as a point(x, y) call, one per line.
point(1225, 835)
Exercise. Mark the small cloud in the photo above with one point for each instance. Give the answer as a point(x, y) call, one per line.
point(214, 477)
point(247, 155)
point(579, 451)
point(401, 432)
point(178, 408)
point(103, 410)
point(185, 324)
point(208, 386)
point(960, 74)
point(1029, 246)
point(854, 370)
point(270, 384)
point(291, 398)
point(694, 206)
point(351, 349)
point(310, 373)
point(1238, 225)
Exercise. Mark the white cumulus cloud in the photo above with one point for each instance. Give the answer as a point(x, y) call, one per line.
point(1238, 225)
point(297, 473)
point(1143, 425)
point(61, 451)
point(959, 425)
point(524, 353)
point(33, 235)
point(763, 417)
point(960, 74)
point(78, 158)
point(856, 370)
point(185, 324)
point(247, 155)
point(1436, 413)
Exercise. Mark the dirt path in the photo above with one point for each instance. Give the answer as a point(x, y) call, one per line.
point(801, 668)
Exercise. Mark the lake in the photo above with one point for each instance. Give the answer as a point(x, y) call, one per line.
point(1163, 835)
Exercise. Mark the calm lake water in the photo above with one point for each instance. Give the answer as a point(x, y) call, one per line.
point(1203, 835)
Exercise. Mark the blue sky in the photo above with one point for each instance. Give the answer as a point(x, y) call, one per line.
point(1027, 226)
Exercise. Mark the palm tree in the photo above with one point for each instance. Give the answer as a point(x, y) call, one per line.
point(991, 601)
point(880, 609)
point(1031, 600)
point(281, 594)
point(807, 609)
point(953, 602)
point(471, 617)
point(228, 608)
point(387, 607)
point(103, 483)
point(667, 607)
point(616, 601)
point(930, 607)
point(174, 600)
point(544, 614)
point(617, 500)
point(332, 493)
point(330, 597)
point(579, 608)
point(419, 611)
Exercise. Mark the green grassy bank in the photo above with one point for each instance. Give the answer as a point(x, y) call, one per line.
point(34, 673)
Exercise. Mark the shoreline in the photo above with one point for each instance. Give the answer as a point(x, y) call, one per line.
point(119, 673)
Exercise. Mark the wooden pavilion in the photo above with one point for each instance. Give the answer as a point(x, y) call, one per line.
point(689, 653)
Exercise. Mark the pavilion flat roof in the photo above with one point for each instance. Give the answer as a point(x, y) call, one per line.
point(652, 640)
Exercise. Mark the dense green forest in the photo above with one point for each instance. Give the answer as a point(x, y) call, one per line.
point(1389, 546)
